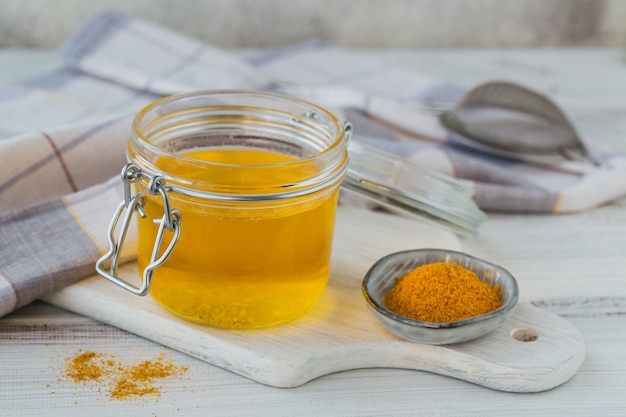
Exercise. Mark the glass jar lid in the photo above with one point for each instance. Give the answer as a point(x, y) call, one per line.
point(396, 183)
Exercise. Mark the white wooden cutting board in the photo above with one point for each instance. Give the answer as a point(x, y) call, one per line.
point(340, 333)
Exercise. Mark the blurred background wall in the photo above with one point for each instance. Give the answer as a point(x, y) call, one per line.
point(349, 23)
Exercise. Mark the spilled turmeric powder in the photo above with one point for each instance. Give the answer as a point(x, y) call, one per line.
point(441, 292)
point(85, 367)
point(123, 381)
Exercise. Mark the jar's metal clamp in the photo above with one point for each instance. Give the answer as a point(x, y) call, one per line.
point(131, 204)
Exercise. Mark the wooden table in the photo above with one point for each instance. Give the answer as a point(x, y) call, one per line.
point(571, 265)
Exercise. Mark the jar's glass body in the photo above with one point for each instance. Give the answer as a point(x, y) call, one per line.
point(255, 177)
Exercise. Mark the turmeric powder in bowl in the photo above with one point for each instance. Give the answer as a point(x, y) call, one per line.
point(438, 296)
point(442, 292)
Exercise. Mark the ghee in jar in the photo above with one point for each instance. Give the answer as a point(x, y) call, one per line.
point(242, 265)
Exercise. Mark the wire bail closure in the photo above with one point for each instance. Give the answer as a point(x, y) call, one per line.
point(135, 203)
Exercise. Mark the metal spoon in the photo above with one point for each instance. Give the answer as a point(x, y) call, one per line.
point(509, 120)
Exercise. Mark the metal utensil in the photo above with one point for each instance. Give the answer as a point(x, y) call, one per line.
point(509, 120)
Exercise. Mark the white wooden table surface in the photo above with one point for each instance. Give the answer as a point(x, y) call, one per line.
point(571, 265)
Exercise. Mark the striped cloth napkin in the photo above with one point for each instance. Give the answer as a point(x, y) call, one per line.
point(63, 137)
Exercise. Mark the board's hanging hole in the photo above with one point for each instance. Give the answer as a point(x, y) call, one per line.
point(525, 335)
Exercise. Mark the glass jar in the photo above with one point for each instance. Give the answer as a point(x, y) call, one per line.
point(235, 194)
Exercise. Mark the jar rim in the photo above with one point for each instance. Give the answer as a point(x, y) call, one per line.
point(342, 132)
point(312, 138)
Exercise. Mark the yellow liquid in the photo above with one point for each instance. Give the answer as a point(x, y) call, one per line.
point(241, 266)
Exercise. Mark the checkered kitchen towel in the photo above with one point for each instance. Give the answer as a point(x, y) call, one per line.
point(63, 136)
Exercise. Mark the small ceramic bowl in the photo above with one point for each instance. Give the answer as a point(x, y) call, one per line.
point(383, 274)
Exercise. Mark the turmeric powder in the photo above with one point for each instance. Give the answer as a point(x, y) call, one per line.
point(83, 367)
point(441, 292)
point(124, 381)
